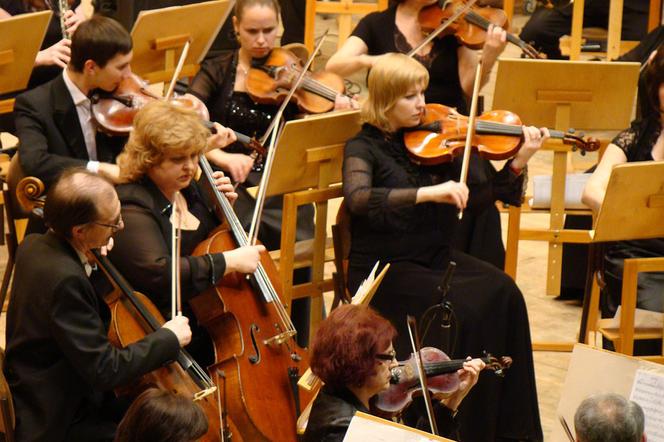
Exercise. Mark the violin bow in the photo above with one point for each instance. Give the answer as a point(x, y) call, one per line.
point(176, 73)
point(275, 131)
point(416, 345)
point(470, 133)
point(444, 25)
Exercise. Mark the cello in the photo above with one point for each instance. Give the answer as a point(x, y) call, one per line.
point(254, 338)
point(133, 316)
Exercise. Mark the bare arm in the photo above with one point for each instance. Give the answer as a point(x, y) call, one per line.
point(493, 47)
point(351, 57)
point(593, 194)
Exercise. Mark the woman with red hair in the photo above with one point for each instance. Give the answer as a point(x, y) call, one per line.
point(352, 353)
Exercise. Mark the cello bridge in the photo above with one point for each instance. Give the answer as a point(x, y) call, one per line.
point(280, 338)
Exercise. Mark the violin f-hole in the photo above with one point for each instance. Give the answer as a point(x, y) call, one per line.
point(256, 357)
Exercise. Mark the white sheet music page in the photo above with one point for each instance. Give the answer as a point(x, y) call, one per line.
point(648, 392)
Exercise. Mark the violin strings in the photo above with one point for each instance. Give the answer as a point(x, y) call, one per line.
point(319, 89)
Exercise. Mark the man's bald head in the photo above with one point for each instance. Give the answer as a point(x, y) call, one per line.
point(77, 198)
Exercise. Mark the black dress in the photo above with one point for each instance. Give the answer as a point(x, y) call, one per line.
point(478, 234)
point(214, 85)
point(380, 186)
point(142, 252)
point(637, 143)
point(333, 410)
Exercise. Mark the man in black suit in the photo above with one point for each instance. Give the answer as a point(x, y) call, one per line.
point(59, 361)
point(54, 122)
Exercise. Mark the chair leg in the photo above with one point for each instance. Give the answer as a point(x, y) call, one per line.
point(6, 278)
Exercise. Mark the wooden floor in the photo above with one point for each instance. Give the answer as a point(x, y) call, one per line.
point(550, 320)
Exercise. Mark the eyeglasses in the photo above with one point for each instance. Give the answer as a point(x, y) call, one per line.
point(391, 356)
point(114, 227)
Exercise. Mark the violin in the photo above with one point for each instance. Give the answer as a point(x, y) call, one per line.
point(470, 28)
point(441, 374)
point(498, 136)
point(114, 111)
point(270, 79)
point(133, 316)
point(254, 338)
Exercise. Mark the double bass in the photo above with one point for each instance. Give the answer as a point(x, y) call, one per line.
point(254, 338)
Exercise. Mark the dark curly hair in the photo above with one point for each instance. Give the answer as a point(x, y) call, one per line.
point(344, 348)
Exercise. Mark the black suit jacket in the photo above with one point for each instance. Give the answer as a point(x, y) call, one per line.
point(50, 134)
point(58, 357)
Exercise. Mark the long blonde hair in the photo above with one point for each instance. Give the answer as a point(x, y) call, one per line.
point(161, 129)
point(390, 78)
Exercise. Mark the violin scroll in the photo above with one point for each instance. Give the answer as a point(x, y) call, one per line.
point(578, 142)
point(497, 365)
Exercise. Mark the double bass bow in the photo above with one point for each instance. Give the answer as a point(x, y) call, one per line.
point(133, 316)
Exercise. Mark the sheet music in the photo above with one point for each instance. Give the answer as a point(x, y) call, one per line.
point(648, 392)
point(366, 284)
point(363, 430)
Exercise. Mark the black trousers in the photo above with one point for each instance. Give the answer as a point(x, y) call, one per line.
point(546, 26)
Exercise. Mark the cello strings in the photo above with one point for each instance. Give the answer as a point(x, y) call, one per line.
point(267, 289)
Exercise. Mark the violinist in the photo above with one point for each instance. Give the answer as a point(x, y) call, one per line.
point(60, 365)
point(221, 85)
point(352, 353)
point(159, 160)
point(642, 141)
point(406, 214)
point(451, 68)
point(53, 121)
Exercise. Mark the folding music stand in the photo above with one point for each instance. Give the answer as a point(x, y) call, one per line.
point(365, 427)
point(306, 170)
point(633, 208)
point(160, 34)
point(21, 38)
point(561, 94)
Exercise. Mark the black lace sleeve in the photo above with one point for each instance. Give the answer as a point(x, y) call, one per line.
point(384, 207)
point(626, 140)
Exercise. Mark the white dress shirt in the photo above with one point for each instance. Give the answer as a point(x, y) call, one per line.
point(84, 111)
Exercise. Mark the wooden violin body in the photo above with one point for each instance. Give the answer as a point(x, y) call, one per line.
point(257, 353)
point(270, 80)
point(441, 374)
point(133, 316)
point(498, 135)
point(470, 28)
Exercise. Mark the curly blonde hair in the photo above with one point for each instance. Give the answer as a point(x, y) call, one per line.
point(161, 129)
point(390, 78)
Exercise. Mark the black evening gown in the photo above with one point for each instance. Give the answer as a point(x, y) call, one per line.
point(380, 185)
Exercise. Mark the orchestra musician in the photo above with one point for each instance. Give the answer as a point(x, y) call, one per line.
point(54, 122)
point(160, 159)
point(221, 85)
point(60, 365)
point(642, 141)
point(352, 353)
point(162, 416)
point(405, 214)
point(451, 68)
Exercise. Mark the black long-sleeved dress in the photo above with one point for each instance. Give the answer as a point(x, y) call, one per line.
point(380, 187)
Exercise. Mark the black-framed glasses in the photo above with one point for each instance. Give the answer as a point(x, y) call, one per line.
point(390, 356)
point(114, 227)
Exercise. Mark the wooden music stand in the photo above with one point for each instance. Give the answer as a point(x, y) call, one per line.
point(306, 170)
point(21, 39)
point(617, 374)
point(633, 208)
point(561, 94)
point(160, 34)
point(364, 427)
point(344, 10)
